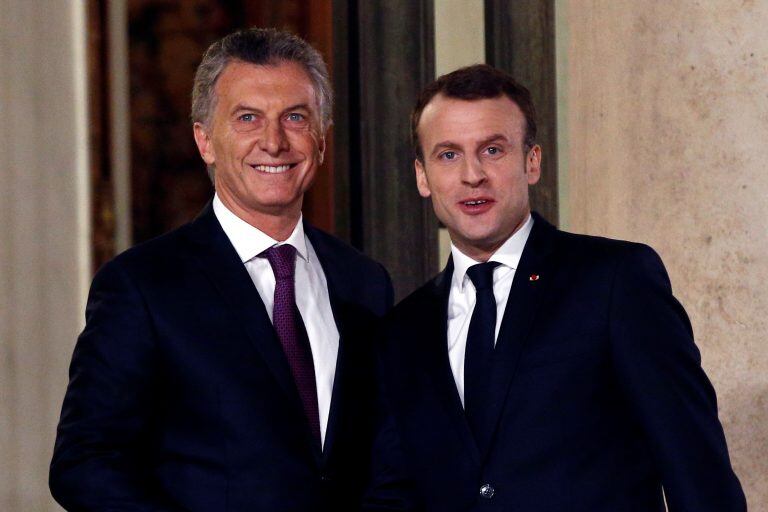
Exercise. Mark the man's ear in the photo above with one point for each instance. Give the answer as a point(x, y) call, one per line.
point(421, 179)
point(321, 148)
point(204, 145)
point(533, 164)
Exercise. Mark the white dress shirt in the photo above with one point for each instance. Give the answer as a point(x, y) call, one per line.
point(461, 299)
point(312, 297)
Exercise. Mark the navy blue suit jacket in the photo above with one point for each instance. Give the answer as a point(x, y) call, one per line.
point(180, 397)
point(598, 397)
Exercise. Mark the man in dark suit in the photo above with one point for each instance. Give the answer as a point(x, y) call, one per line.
point(541, 370)
point(226, 365)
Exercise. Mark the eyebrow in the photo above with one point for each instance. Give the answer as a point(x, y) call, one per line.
point(298, 106)
point(494, 137)
point(242, 106)
point(447, 144)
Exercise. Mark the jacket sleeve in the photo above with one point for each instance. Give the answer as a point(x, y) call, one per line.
point(659, 369)
point(390, 488)
point(100, 459)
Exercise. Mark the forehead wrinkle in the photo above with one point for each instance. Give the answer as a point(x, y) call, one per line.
point(236, 80)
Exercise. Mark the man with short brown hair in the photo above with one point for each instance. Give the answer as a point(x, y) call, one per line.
point(541, 370)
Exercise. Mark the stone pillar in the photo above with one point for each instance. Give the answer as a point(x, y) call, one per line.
point(44, 233)
point(663, 127)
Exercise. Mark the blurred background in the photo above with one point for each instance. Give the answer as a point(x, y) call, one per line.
point(653, 118)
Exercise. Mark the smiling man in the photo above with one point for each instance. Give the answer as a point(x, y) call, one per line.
point(541, 370)
point(226, 365)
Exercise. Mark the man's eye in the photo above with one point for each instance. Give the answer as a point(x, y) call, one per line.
point(295, 117)
point(493, 150)
point(248, 118)
point(448, 155)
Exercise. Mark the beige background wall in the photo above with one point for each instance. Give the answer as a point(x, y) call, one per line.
point(44, 238)
point(664, 139)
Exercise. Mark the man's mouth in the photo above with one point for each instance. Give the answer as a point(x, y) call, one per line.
point(476, 206)
point(273, 169)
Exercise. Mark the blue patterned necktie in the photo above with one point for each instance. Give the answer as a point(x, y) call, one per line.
point(291, 332)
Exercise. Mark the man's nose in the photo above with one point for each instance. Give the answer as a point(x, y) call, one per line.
point(472, 173)
point(273, 140)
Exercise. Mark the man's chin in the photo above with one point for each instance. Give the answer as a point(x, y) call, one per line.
point(475, 243)
point(480, 239)
point(278, 208)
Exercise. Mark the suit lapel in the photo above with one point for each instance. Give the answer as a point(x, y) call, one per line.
point(338, 293)
point(221, 264)
point(434, 336)
point(339, 384)
point(528, 287)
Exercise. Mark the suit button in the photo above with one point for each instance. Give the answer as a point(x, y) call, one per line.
point(487, 491)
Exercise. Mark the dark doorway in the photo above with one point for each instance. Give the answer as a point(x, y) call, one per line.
point(380, 55)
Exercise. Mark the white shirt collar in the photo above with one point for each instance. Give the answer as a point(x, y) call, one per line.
point(508, 254)
point(250, 241)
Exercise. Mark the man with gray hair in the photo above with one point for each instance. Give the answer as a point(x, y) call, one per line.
point(226, 365)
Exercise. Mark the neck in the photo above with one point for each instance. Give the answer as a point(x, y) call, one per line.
point(481, 254)
point(482, 250)
point(278, 224)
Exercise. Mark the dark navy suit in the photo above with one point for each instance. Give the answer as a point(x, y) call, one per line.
point(180, 397)
point(597, 397)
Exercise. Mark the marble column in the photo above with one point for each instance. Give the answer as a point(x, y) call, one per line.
point(44, 233)
point(663, 123)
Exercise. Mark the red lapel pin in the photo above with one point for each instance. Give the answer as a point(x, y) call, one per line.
point(533, 277)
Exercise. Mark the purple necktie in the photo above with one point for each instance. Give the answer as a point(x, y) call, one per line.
point(291, 332)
